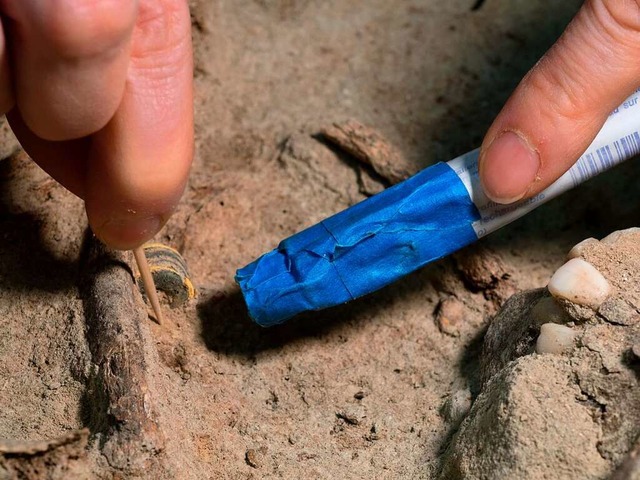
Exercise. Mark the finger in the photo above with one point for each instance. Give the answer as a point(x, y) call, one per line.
point(64, 161)
point(139, 162)
point(6, 93)
point(70, 59)
point(559, 107)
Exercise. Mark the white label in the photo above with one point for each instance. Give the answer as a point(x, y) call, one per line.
point(618, 141)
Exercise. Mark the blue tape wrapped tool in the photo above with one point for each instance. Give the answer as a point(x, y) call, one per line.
point(383, 238)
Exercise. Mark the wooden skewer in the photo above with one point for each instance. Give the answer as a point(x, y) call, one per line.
point(147, 281)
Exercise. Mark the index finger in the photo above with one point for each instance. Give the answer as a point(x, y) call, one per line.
point(138, 164)
point(559, 107)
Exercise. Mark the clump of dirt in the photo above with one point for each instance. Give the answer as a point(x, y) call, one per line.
point(572, 415)
point(56, 459)
point(369, 147)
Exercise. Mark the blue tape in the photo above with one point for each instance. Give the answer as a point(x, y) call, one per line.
point(362, 248)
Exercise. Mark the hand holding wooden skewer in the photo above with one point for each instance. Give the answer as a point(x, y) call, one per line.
point(101, 98)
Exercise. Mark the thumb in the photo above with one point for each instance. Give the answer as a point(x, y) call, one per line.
point(562, 103)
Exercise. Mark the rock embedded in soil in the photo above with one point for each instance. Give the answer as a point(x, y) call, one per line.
point(482, 270)
point(450, 315)
point(252, 457)
point(518, 429)
point(572, 416)
point(353, 414)
point(618, 311)
point(370, 147)
point(547, 310)
point(511, 334)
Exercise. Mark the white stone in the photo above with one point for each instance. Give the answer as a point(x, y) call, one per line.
point(457, 406)
point(555, 339)
point(579, 282)
point(613, 237)
point(579, 248)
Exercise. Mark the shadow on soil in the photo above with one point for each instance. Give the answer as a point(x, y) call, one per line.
point(25, 261)
point(227, 328)
point(610, 202)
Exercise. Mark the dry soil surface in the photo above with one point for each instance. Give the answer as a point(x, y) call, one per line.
point(354, 392)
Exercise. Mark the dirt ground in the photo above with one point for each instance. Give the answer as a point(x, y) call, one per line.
point(354, 392)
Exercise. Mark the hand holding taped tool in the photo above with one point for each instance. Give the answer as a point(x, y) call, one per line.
point(100, 96)
point(560, 128)
point(559, 107)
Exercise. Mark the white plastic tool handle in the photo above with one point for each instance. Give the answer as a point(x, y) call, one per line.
point(618, 141)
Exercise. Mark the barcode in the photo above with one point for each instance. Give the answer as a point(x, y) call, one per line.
point(593, 163)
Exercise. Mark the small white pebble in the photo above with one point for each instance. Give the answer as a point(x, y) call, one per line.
point(547, 310)
point(554, 338)
point(580, 283)
point(578, 248)
point(457, 406)
point(613, 237)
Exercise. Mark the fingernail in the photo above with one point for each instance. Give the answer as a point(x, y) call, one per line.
point(508, 168)
point(129, 233)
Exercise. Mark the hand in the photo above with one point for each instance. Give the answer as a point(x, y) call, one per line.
point(99, 93)
point(562, 103)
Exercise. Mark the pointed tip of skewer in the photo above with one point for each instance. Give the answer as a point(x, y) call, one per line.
point(159, 318)
point(149, 285)
point(157, 313)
